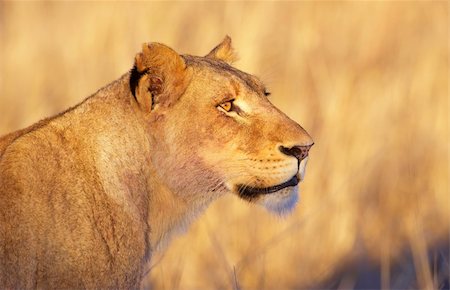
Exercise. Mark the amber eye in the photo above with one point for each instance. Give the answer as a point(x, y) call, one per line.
point(227, 106)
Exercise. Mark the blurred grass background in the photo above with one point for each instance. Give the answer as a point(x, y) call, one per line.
point(369, 82)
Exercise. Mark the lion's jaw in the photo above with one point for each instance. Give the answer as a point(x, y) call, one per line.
point(284, 201)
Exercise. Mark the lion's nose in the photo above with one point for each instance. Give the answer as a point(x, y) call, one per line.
point(299, 152)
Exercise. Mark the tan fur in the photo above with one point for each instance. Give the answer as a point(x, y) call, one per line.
point(224, 52)
point(87, 196)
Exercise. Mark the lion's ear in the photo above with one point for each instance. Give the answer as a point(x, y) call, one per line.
point(224, 51)
point(159, 76)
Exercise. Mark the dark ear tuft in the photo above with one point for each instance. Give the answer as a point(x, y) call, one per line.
point(135, 76)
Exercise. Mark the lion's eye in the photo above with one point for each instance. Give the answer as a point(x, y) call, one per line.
point(227, 106)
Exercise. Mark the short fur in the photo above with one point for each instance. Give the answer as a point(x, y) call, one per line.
point(88, 195)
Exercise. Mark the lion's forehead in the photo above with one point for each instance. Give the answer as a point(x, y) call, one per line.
point(223, 69)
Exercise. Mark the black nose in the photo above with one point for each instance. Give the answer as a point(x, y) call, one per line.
point(299, 152)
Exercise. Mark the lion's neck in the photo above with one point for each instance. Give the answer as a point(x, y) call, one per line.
point(169, 215)
point(134, 182)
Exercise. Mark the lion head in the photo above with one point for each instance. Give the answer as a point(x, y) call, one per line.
point(213, 130)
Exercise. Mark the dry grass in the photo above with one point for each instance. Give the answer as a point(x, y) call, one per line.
point(368, 80)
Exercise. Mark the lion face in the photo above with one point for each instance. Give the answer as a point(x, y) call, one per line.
point(222, 134)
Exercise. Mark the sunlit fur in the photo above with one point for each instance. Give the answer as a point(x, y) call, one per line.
point(87, 196)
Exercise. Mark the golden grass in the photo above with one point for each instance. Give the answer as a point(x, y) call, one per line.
point(368, 80)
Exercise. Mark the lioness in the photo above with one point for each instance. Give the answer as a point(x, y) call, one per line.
point(86, 196)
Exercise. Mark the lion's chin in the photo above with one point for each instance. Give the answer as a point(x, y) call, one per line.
point(281, 202)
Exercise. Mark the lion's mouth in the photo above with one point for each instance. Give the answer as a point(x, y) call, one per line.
point(249, 192)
